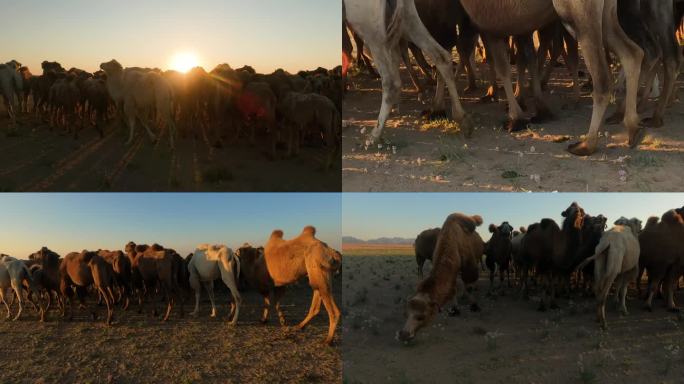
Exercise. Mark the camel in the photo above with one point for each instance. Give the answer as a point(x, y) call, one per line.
point(10, 84)
point(45, 274)
point(591, 233)
point(616, 257)
point(662, 255)
point(369, 19)
point(154, 266)
point(255, 273)
point(208, 263)
point(457, 253)
point(289, 260)
point(137, 93)
point(498, 251)
point(14, 274)
point(424, 247)
point(80, 270)
point(496, 20)
point(121, 266)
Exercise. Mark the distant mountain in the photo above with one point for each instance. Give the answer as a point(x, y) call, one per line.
point(381, 240)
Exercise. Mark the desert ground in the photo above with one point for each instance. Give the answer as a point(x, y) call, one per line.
point(138, 348)
point(509, 341)
point(34, 158)
point(434, 156)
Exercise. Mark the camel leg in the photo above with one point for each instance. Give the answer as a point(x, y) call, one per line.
point(388, 68)
point(209, 286)
point(671, 70)
point(277, 295)
point(516, 118)
point(229, 281)
point(420, 59)
point(196, 286)
point(3, 294)
point(403, 47)
point(267, 306)
point(333, 314)
point(169, 305)
point(442, 59)
point(313, 309)
point(18, 290)
point(146, 125)
point(572, 62)
point(104, 296)
point(543, 113)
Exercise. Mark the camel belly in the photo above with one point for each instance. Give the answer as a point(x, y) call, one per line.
point(510, 17)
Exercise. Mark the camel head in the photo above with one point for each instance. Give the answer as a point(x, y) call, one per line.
point(633, 224)
point(420, 310)
point(111, 67)
point(14, 64)
point(130, 247)
point(503, 230)
point(595, 224)
point(574, 215)
point(672, 217)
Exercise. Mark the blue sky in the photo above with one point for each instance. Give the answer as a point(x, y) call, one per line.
point(266, 34)
point(367, 216)
point(72, 222)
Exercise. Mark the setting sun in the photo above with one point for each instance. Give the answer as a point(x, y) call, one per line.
point(184, 61)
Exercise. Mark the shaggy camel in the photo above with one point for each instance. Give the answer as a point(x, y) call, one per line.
point(137, 93)
point(45, 274)
point(208, 263)
point(498, 251)
point(424, 247)
point(80, 270)
point(662, 255)
point(255, 273)
point(154, 266)
point(458, 252)
point(289, 260)
point(496, 20)
point(616, 257)
point(369, 18)
point(15, 275)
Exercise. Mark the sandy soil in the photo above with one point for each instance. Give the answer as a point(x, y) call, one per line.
point(507, 342)
point(494, 160)
point(33, 158)
point(138, 348)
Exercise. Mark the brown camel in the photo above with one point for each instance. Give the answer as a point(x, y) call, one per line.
point(121, 266)
point(81, 270)
point(289, 260)
point(154, 266)
point(457, 253)
point(45, 274)
point(255, 273)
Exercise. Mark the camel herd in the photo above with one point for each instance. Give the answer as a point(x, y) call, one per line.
point(153, 273)
point(280, 109)
point(578, 256)
point(640, 33)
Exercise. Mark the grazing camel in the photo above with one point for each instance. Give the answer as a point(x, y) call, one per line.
point(15, 275)
point(457, 253)
point(289, 260)
point(80, 270)
point(616, 257)
point(137, 93)
point(496, 20)
point(424, 247)
point(382, 25)
point(208, 263)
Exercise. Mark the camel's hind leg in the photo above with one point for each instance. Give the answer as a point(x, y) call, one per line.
point(19, 291)
point(197, 287)
point(590, 36)
point(229, 280)
point(498, 51)
point(403, 46)
point(388, 67)
point(209, 286)
point(333, 314)
point(3, 294)
point(314, 309)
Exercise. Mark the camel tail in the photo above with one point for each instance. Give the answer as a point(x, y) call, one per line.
point(396, 19)
point(601, 249)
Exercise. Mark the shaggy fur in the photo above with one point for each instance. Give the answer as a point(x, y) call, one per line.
point(424, 246)
point(289, 260)
point(457, 254)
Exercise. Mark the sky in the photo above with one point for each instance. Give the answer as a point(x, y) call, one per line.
point(266, 34)
point(73, 222)
point(369, 216)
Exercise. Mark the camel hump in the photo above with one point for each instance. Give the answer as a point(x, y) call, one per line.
point(278, 233)
point(546, 223)
point(477, 219)
point(653, 220)
point(672, 217)
point(469, 223)
point(309, 230)
point(523, 229)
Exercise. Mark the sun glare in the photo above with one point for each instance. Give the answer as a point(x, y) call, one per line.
point(184, 61)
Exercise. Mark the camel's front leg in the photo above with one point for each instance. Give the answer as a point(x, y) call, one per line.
point(388, 67)
point(313, 309)
point(498, 50)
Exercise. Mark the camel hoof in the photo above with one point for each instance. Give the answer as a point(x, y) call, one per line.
point(653, 122)
point(474, 307)
point(516, 125)
point(454, 311)
point(636, 137)
point(581, 149)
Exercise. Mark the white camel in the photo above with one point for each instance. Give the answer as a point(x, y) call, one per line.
point(10, 84)
point(13, 274)
point(208, 264)
point(137, 93)
point(616, 258)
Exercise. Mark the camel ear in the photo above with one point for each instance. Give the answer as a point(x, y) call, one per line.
point(564, 213)
point(492, 228)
